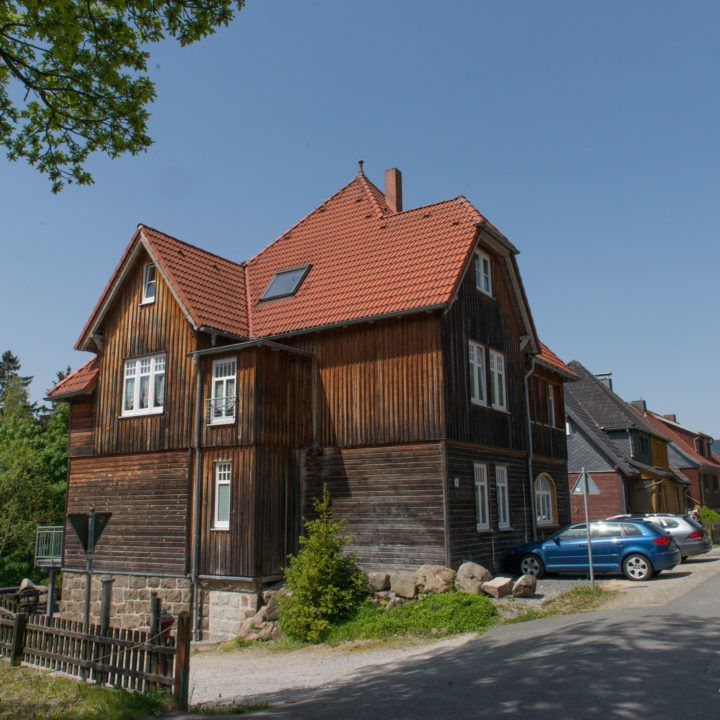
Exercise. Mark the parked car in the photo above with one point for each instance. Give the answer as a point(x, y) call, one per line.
point(636, 548)
point(689, 534)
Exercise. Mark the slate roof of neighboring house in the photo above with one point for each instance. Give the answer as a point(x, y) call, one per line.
point(607, 410)
point(79, 382)
point(365, 262)
point(683, 438)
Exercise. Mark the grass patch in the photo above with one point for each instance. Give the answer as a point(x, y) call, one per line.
point(232, 710)
point(577, 600)
point(426, 616)
point(27, 694)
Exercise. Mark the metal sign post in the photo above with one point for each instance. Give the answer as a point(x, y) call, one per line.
point(585, 486)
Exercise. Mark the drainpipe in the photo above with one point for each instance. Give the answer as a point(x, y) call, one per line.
point(196, 501)
point(531, 489)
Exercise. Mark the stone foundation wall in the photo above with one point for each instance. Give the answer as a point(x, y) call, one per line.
point(130, 607)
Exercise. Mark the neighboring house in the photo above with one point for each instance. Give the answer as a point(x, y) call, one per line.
point(692, 452)
point(385, 353)
point(625, 454)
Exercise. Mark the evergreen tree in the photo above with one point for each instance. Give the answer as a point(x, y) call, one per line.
point(10, 368)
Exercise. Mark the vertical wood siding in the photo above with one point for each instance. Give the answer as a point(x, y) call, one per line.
point(391, 499)
point(380, 382)
point(148, 496)
point(81, 428)
point(491, 321)
point(131, 330)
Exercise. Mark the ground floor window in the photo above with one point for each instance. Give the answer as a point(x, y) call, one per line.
point(501, 488)
point(545, 500)
point(482, 508)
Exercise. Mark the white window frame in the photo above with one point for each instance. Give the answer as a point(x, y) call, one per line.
point(149, 282)
point(498, 386)
point(224, 374)
point(502, 491)
point(483, 272)
point(478, 381)
point(482, 504)
point(544, 500)
point(223, 479)
point(550, 399)
point(150, 368)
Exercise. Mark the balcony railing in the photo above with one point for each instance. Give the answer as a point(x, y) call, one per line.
point(220, 410)
point(48, 546)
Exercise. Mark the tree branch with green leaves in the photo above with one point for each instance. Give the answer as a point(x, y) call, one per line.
point(73, 75)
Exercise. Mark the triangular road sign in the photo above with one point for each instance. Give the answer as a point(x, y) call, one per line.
point(584, 480)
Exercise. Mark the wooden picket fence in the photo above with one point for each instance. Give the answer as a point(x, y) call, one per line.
point(122, 658)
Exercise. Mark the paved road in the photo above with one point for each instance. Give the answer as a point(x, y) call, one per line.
point(642, 662)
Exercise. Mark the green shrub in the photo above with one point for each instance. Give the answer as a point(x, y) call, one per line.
point(325, 583)
point(444, 614)
point(708, 516)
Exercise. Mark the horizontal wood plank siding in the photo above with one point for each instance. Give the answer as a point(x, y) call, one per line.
point(492, 322)
point(148, 496)
point(379, 383)
point(391, 499)
point(131, 330)
point(81, 428)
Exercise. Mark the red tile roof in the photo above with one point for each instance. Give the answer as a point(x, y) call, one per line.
point(81, 380)
point(549, 358)
point(684, 439)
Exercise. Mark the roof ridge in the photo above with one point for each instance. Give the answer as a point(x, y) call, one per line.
point(365, 182)
point(190, 245)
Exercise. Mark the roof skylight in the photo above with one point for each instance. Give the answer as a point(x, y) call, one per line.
point(285, 282)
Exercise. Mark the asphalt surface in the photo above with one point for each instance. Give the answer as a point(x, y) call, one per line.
point(643, 661)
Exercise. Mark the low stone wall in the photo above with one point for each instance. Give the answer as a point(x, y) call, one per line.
point(227, 610)
point(130, 607)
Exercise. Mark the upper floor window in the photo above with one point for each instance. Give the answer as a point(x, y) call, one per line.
point(498, 397)
point(545, 500)
point(144, 385)
point(483, 277)
point(221, 520)
point(223, 400)
point(478, 390)
point(503, 501)
point(550, 393)
point(149, 284)
point(482, 507)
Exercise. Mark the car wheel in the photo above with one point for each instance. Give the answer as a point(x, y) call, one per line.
point(531, 565)
point(637, 567)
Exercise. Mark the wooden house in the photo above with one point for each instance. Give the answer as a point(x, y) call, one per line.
point(626, 455)
point(387, 353)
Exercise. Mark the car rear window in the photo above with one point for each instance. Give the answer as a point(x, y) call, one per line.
point(654, 526)
point(666, 522)
point(694, 523)
point(631, 530)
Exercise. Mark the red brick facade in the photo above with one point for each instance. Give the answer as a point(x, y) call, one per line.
point(608, 502)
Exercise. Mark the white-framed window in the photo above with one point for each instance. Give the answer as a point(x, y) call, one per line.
point(224, 387)
point(478, 389)
point(550, 394)
point(483, 275)
point(149, 284)
point(144, 385)
point(503, 498)
point(544, 500)
point(223, 474)
point(482, 507)
point(498, 397)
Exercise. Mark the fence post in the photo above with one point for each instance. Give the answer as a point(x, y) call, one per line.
point(100, 646)
point(18, 643)
point(182, 661)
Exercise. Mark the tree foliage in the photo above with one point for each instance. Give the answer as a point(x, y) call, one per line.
point(33, 470)
point(73, 75)
point(325, 584)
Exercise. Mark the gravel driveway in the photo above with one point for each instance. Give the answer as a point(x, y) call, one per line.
point(260, 675)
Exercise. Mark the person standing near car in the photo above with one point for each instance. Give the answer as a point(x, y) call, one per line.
point(695, 513)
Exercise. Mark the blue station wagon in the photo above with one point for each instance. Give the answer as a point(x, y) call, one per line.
point(637, 549)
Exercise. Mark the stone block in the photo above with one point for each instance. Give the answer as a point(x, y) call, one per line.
point(524, 586)
point(471, 576)
point(498, 587)
point(402, 583)
point(378, 581)
point(434, 578)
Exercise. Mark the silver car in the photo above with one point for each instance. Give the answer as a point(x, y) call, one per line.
point(689, 534)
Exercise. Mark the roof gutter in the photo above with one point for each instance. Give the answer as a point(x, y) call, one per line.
point(260, 342)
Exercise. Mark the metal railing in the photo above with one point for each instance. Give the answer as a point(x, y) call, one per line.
point(220, 410)
point(48, 546)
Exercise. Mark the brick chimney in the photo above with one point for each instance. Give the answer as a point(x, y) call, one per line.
point(639, 404)
point(671, 416)
point(393, 189)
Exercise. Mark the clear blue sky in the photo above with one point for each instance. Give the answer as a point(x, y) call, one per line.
point(587, 132)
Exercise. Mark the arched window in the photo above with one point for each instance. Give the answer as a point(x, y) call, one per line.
point(545, 500)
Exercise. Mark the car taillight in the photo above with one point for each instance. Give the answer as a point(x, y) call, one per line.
point(697, 535)
point(661, 540)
